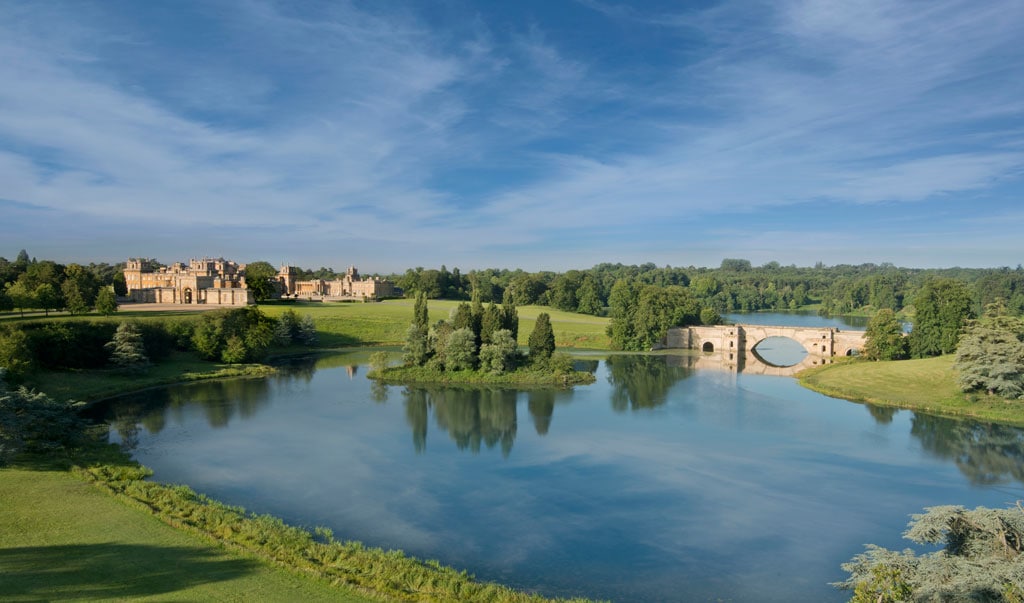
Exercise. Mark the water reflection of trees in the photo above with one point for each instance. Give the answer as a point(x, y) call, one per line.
point(883, 415)
point(221, 401)
point(476, 418)
point(985, 453)
point(642, 381)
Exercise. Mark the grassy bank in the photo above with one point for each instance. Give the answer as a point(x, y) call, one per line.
point(65, 539)
point(90, 385)
point(927, 385)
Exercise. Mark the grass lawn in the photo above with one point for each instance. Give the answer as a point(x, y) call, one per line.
point(349, 324)
point(927, 384)
point(64, 539)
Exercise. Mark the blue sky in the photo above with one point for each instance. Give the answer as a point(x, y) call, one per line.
point(533, 134)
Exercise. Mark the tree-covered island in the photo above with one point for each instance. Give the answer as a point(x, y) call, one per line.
point(478, 345)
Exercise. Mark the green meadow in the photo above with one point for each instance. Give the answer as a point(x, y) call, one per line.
point(927, 384)
point(385, 323)
point(65, 539)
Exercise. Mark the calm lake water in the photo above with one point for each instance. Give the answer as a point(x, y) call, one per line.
point(657, 483)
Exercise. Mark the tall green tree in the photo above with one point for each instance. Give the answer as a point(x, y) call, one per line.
point(79, 289)
point(542, 339)
point(261, 279)
point(420, 312)
point(622, 302)
point(884, 339)
point(415, 350)
point(510, 317)
point(127, 349)
point(941, 309)
point(490, 322)
point(589, 297)
point(990, 356)
point(106, 302)
point(22, 298)
point(48, 298)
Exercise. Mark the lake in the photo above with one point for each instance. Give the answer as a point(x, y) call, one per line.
point(659, 482)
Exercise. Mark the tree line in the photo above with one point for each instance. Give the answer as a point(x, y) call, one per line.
point(30, 284)
point(735, 286)
point(231, 336)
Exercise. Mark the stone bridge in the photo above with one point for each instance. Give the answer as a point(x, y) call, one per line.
point(736, 343)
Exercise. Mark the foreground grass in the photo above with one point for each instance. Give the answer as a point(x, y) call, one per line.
point(927, 384)
point(90, 385)
point(62, 538)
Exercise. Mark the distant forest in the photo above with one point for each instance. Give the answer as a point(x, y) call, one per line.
point(735, 286)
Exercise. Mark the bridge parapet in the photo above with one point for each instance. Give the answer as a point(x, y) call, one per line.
point(731, 339)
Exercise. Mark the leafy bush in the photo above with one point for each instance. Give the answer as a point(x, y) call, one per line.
point(33, 422)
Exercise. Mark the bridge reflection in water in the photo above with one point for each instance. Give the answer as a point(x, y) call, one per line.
point(741, 362)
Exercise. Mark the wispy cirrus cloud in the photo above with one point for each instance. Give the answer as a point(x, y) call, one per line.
point(385, 126)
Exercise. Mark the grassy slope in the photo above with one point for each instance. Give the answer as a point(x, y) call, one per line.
point(65, 539)
point(347, 324)
point(927, 384)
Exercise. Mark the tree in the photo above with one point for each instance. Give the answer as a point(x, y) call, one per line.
point(15, 354)
point(941, 308)
point(589, 297)
point(490, 322)
point(884, 338)
point(48, 298)
point(307, 331)
point(710, 316)
point(980, 560)
point(78, 289)
point(735, 265)
point(120, 286)
point(420, 312)
point(499, 356)
point(287, 327)
point(415, 351)
point(21, 296)
point(542, 340)
point(990, 356)
point(106, 302)
point(460, 353)
point(127, 349)
point(261, 279)
point(660, 308)
point(622, 308)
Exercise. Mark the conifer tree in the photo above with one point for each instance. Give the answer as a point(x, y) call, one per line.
point(489, 323)
point(542, 340)
point(106, 301)
point(126, 348)
point(990, 356)
point(307, 330)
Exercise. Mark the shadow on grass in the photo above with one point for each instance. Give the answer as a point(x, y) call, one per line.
point(110, 570)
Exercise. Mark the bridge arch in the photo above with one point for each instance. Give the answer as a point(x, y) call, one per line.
point(819, 342)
